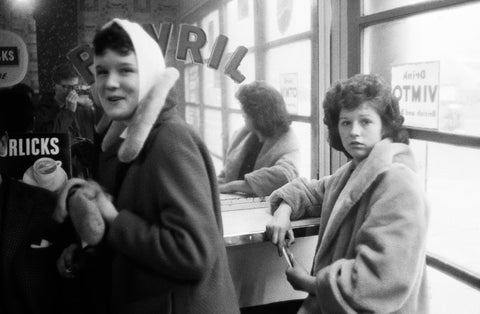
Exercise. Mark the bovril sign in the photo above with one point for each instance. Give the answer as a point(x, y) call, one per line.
point(13, 58)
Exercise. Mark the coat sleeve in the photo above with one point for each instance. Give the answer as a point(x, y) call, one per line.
point(265, 180)
point(304, 197)
point(390, 251)
point(183, 240)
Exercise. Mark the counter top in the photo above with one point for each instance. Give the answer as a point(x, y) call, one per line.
point(245, 218)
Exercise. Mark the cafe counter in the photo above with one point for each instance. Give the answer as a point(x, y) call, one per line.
point(257, 270)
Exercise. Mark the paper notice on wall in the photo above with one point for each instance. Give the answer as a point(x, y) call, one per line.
point(417, 87)
point(289, 91)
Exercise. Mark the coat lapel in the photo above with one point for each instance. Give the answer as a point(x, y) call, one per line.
point(379, 160)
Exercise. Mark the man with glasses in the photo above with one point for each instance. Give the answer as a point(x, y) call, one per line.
point(64, 110)
point(69, 109)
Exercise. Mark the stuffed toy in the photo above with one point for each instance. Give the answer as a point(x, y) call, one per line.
point(82, 200)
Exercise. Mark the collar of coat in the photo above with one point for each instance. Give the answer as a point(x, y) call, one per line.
point(138, 128)
point(383, 156)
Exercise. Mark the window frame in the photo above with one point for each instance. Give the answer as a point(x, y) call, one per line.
point(259, 49)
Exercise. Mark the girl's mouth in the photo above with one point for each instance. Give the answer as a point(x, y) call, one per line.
point(114, 98)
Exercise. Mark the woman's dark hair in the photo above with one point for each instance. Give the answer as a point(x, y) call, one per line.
point(112, 37)
point(266, 108)
point(349, 94)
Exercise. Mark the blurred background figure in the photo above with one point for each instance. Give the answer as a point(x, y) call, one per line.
point(70, 109)
point(265, 153)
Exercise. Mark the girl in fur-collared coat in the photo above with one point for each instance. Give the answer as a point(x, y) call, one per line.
point(373, 214)
point(164, 225)
point(265, 153)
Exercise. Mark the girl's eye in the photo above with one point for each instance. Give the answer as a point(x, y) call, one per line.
point(366, 122)
point(126, 70)
point(100, 72)
point(344, 123)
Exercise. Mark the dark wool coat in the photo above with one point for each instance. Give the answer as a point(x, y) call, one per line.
point(29, 281)
point(169, 254)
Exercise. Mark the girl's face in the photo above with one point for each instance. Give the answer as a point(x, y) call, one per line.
point(360, 129)
point(116, 80)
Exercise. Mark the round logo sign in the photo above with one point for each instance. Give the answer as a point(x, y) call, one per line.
point(13, 59)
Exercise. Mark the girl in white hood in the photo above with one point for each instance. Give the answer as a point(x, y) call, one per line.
point(164, 225)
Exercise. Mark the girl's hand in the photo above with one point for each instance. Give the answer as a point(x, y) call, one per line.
point(299, 278)
point(280, 227)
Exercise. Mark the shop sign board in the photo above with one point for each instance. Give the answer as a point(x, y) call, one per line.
point(13, 59)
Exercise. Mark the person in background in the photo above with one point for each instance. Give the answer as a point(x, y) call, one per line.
point(373, 211)
point(71, 110)
point(65, 111)
point(164, 223)
point(265, 153)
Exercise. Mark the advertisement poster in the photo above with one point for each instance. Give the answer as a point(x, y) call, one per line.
point(417, 87)
point(289, 91)
point(23, 150)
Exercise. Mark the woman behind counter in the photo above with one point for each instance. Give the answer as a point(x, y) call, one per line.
point(373, 213)
point(265, 153)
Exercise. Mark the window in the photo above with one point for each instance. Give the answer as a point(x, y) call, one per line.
point(281, 41)
point(440, 39)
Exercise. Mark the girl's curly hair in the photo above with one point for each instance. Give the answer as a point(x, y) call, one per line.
point(350, 94)
point(266, 107)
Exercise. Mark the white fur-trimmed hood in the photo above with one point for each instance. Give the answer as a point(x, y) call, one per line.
point(155, 82)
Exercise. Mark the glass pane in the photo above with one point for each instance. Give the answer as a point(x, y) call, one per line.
point(213, 137)
point(235, 122)
point(286, 17)
point(192, 116)
point(292, 79)
point(212, 95)
point(210, 25)
point(374, 6)
point(303, 133)
point(426, 38)
point(451, 180)
point(239, 24)
point(211, 86)
point(247, 68)
point(192, 84)
point(448, 295)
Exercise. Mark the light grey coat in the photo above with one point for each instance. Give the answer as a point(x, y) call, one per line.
point(276, 164)
point(370, 257)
